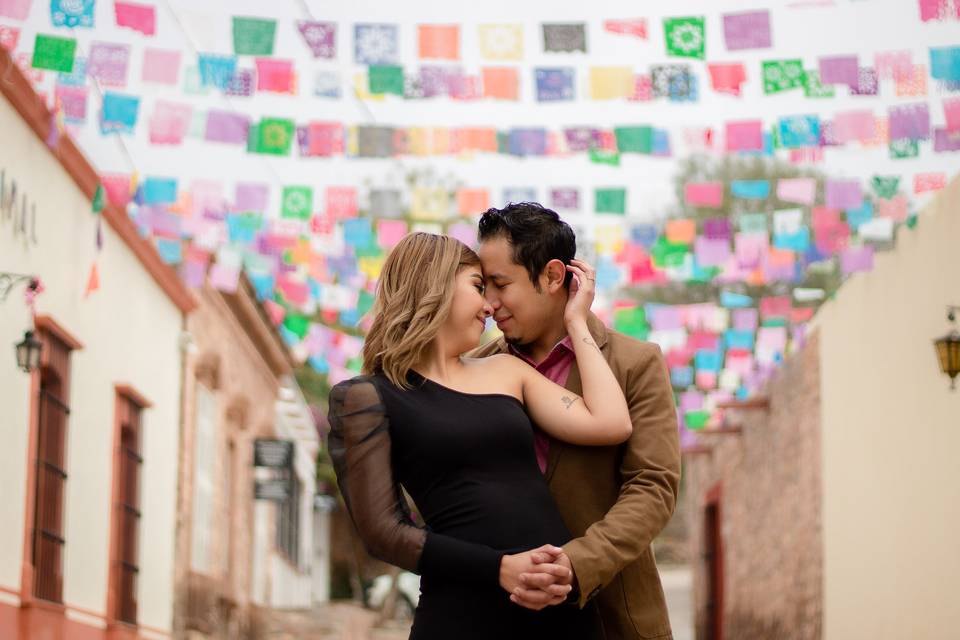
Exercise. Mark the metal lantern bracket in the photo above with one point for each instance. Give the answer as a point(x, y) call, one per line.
point(9, 280)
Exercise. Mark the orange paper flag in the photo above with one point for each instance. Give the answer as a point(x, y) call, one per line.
point(93, 280)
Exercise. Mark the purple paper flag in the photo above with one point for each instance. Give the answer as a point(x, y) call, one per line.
point(579, 138)
point(745, 319)
point(717, 228)
point(226, 126)
point(321, 37)
point(840, 70)
point(943, 140)
point(711, 253)
point(867, 84)
point(108, 63)
point(910, 121)
point(843, 194)
point(565, 198)
point(251, 196)
point(748, 30)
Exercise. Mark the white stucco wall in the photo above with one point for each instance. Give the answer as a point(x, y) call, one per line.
point(129, 329)
point(891, 433)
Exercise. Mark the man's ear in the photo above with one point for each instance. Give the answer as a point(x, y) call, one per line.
point(554, 273)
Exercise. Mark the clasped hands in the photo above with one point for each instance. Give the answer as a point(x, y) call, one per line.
point(537, 578)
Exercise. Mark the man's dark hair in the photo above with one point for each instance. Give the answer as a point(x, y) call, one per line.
point(536, 234)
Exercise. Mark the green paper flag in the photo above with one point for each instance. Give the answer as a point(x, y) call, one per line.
point(253, 36)
point(99, 200)
point(632, 322)
point(782, 75)
point(664, 251)
point(600, 156)
point(385, 79)
point(696, 419)
point(634, 139)
point(274, 136)
point(297, 324)
point(812, 88)
point(297, 202)
point(610, 200)
point(912, 221)
point(54, 53)
point(885, 186)
point(685, 37)
point(904, 148)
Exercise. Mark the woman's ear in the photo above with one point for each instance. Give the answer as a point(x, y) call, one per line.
point(555, 272)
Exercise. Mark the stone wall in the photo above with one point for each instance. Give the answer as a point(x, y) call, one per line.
point(770, 509)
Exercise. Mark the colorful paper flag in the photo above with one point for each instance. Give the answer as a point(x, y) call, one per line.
point(611, 83)
point(439, 42)
point(747, 30)
point(385, 79)
point(685, 37)
point(610, 200)
point(108, 63)
point(9, 37)
point(745, 135)
point(840, 70)
point(170, 122)
point(16, 9)
point(276, 76)
point(704, 194)
point(72, 13)
point(320, 37)
point(629, 27)
point(782, 75)
point(501, 83)
point(119, 113)
point(216, 70)
point(565, 38)
point(273, 136)
point(227, 127)
point(727, 77)
point(501, 41)
point(297, 202)
point(253, 36)
point(54, 53)
point(554, 84)
point(376, 44)
point(161, 66)
point(139, 17)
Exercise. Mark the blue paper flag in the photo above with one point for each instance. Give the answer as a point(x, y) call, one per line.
point(945, 63)
point(72, 13)
point(732, 300)
point(798, 241)
point(708, 360)
point(119, 113)
point(738, 339)
point(800, 131)
point(554, 84)
point(753, 189)
point(216, 70)
point(159, 190)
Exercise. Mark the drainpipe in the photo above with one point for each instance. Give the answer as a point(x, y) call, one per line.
point(185, 346)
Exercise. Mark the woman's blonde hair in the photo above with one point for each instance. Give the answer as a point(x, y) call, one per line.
point(413, 300)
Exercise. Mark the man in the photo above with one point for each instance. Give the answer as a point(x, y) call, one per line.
point(614, 500)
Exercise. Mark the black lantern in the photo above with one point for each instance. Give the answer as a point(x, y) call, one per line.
point(28, 352)
point(948, 350)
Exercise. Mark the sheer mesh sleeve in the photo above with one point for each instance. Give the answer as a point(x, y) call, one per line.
point(360, 446)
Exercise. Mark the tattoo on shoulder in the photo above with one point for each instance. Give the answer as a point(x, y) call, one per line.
point(568, 401)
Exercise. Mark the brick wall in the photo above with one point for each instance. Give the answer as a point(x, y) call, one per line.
point(770, 511)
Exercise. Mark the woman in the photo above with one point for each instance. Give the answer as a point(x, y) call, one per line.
point(455, 433)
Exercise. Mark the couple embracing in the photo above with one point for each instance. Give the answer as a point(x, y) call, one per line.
point(543, 463)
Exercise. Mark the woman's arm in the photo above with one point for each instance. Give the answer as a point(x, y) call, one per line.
point(600, 417)
point(360, 447)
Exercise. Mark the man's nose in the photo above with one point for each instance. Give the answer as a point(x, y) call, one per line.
point(492, 299)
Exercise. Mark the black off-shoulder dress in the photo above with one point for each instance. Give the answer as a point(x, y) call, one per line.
point(468, 462)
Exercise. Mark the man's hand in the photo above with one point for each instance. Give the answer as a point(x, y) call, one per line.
point(552, 580)
point(539, 587)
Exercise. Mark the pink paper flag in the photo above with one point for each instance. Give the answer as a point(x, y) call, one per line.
point(893, 65)
point(117, 188)
point(711, 253)
point(854, 259)
point(161, 66)
point(751, 249)
point(16, 9)
point(704, 194)
point(896, 208)
point(139, 17)
point(633, 27)
point(170, 122)
point(341, 202)
point(224, 278)
point(798, 190)
point(108, 63)
point(924, 182)
point(951, 111)
point(840, 70)
point(726, 77)
point(854, 126)
point(276, 76)
point(746, 135)
point(390, 232)
point(9, 36)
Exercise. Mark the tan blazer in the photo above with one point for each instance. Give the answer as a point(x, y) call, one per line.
point(616, 499)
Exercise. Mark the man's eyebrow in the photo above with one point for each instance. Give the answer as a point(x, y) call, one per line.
point(497, 276)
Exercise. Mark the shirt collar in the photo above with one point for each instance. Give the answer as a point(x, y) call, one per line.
point(564, 347)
